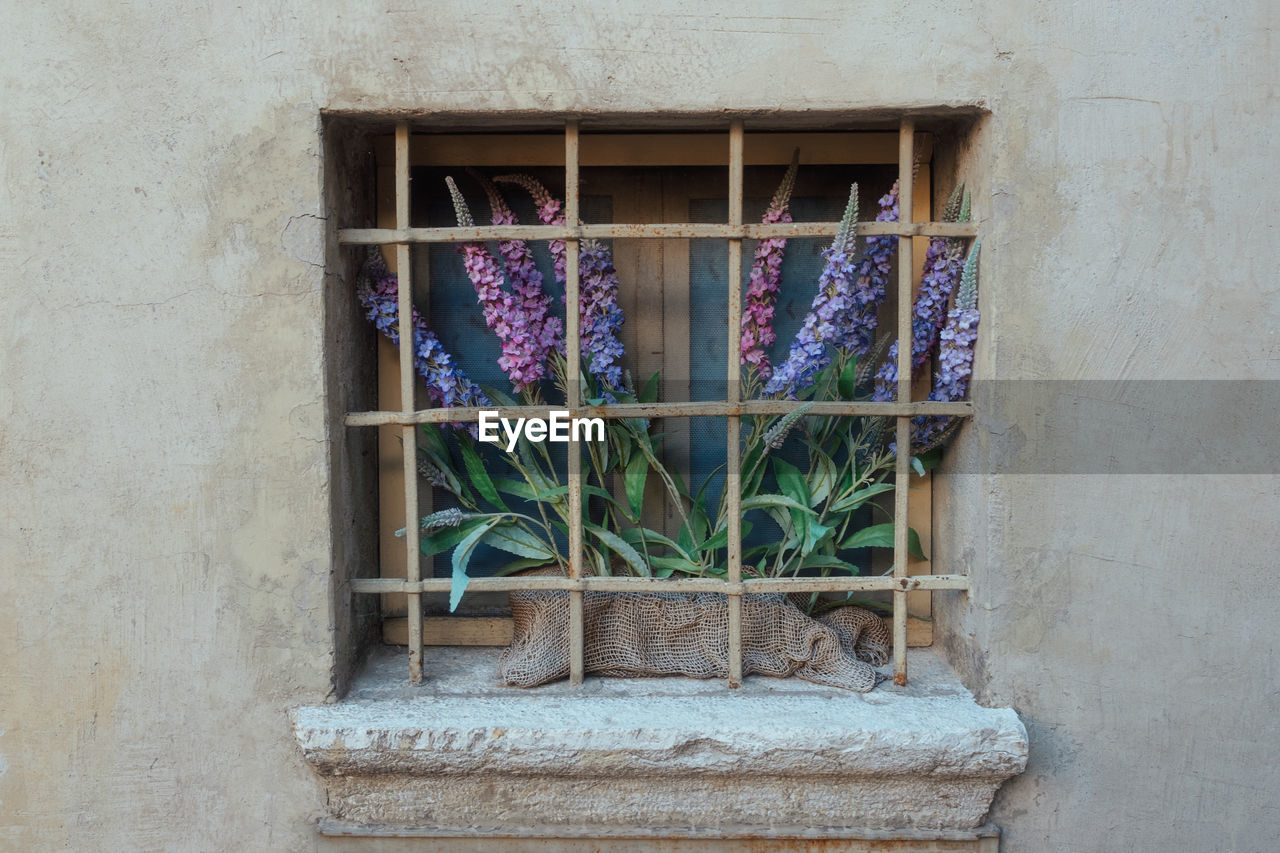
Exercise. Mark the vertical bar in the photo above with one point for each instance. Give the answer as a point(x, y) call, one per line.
point(573, 351)
point(906, 159)
point(404, 296)
point(733, 482)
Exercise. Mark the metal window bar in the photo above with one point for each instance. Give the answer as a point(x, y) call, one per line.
point(732, 409)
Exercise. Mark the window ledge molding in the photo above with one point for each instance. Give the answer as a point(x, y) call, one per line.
point(782, 758)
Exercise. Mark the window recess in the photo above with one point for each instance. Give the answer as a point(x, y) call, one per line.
point(678, 208)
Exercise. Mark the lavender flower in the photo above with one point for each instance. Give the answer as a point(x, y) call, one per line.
point(858, 330)
point(521, 341)
point(447, 385)
point(942, 265)
point(821, 325)
point(843, 313)
point(955, 356)
point(599, 317)
point(525, 279)
point(766, 271)
point(550, 212)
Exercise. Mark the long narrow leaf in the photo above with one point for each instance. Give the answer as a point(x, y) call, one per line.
point(826, 561)
point(635, 477)
point(461, 557)
point(479, 476)
point(763, 501)
point(442, 539)
point(861, 496)
point(628, 554)
point(516, 540)
point(519, 566)
point(634, 535)
point(664, 567)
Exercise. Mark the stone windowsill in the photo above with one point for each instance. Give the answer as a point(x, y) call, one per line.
point(460, 755)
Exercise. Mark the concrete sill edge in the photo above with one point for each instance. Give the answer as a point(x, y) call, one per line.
point(459, 756)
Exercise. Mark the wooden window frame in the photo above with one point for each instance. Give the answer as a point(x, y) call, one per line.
point(571, 152)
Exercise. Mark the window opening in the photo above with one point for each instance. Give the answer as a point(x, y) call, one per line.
point(720, 230)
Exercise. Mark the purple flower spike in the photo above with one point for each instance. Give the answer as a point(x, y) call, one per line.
point(502, 311)
point(525, 279)
point(600, 318)
point(942, 265)
point(955, 355)
point(447, 385)
point(766, 272)
point(550, 212)
point(858, 331)
point(849, 295)
point(830, 308)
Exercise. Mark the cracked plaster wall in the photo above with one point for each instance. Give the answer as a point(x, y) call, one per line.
point(167, 448)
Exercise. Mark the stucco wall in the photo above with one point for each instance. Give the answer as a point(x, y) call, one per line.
point(167, 435)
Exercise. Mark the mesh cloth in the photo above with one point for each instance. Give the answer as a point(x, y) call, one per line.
point(639, 635)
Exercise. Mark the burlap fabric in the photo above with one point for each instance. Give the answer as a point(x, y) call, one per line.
point(637, 635)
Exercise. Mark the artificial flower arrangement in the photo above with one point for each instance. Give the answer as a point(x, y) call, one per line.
point(815, 507)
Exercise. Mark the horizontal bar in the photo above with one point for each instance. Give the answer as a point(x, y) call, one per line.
point(632, 584)
point(663, 230)
point(709, 409)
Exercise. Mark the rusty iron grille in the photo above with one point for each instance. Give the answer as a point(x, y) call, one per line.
point(732, 408)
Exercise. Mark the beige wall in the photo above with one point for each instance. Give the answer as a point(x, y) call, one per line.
point(167, 439)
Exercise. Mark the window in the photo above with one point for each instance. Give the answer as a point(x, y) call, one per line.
point(614, 190)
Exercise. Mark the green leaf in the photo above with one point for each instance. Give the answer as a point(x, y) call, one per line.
point(790, 481)
point(861, 496)
point(685, 537)
point(649, 393)
point(917, 466)
point(635, 535)
point(537, 479)
point(681, 488)
point(588, 490)
point(664, 567)
point(442, 539)
point(913, 544)
point(435, 442)
point(875, 536)
point(822, 476)
point(628, 554)
point(930, 459)
point(552, 495)
point(765, 501)
point(814, 533)
point(500, 397)
point(826, 561)
point(462, 556)
point(519, 566)
point(516, 540)
point(479, 476)
point(848, 376)
point(515, 488)
point(635, 477)
point(881, 536)
point(720, 539)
